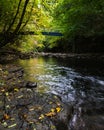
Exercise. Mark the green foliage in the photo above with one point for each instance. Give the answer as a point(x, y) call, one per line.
point(80, 17)
point(15, 15)
point(25, 15)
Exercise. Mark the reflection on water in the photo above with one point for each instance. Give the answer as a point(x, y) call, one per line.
point(57, 77)
point(74, 82)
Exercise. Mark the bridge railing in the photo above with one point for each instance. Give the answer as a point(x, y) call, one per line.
point(43, 33)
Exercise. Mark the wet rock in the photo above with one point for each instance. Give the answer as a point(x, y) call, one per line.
point(61, 125)
point(31, 110)
point(31, 85)
point(26, 55)
point(26, 109)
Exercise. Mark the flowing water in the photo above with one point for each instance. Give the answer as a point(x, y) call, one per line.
point(78, 83)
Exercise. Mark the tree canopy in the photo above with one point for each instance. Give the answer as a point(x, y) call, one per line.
point(74, 18)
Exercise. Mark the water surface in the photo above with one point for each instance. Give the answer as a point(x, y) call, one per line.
point(77, 83)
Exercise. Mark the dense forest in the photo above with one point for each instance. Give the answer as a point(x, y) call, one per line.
point(51, 64)
point(81, 23)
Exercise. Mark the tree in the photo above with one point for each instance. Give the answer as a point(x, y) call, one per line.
point(14, 17)
point(80, 19)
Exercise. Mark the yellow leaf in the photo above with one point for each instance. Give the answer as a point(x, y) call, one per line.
point(7, 106)
point(39, 108)
point(12, 119)
point(50, 102)
point(5, 124)
point(6, 117)
point(55, 97)
point(41, 117)
point(31, 109)
point(52, 110)
point(58, 109)
point(20, 96)
point(53, 127)
point(12, 126)
point(3, 90)
point(16, 89)
point(24, 116)
point(50, 114)
point(7, 94)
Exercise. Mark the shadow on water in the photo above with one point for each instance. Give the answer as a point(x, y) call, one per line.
point(79, 84)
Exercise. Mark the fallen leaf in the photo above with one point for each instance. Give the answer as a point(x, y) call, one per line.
point(5, 124)
point(52, 110)
point(55, 97)
point(7, 94)
point(12, 126)
point(24, 116)
point(2, 90)
point(6, 116)
point(31, 109)
point(53, 127)
point(16, 89)
point(50, 102)
point(41, 117)
point(50, 114)
point(39, 108)
point(20, 96)
point(7, 106)
point(12, 119)
point(58, 109)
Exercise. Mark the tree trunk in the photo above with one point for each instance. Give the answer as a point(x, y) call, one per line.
point(10, 26)
point(21, 19)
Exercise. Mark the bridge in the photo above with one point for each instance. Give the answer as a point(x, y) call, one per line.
point(43, 33)
point(52, 33)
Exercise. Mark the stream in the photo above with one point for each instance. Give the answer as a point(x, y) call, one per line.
point(79, 84)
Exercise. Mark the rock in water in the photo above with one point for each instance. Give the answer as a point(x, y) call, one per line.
point(30, 84)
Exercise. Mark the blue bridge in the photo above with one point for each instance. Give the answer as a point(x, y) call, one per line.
point(43, 33)
point(52, 33)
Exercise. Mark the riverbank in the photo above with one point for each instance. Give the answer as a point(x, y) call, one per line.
point(97, 56)
point(21, 107)
point(13, 54)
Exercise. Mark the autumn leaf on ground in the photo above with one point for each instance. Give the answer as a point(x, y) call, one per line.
point(35, 108)
point(52, 110)
point(20, 96)
point(31, 109)
point(24, 116)
point(50, 102)
point(58, 109)
point(50, 114)
point(2, 90)
point(6, 116)
point(41, 117)
point(12, 126)
point(7, 94)
point(16, 89)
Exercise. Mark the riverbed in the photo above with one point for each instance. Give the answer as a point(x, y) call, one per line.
point(78, 83)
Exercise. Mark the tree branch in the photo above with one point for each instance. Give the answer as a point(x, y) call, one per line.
point(21, 19)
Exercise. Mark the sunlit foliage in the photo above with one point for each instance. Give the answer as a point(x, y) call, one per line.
point(79, 19)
